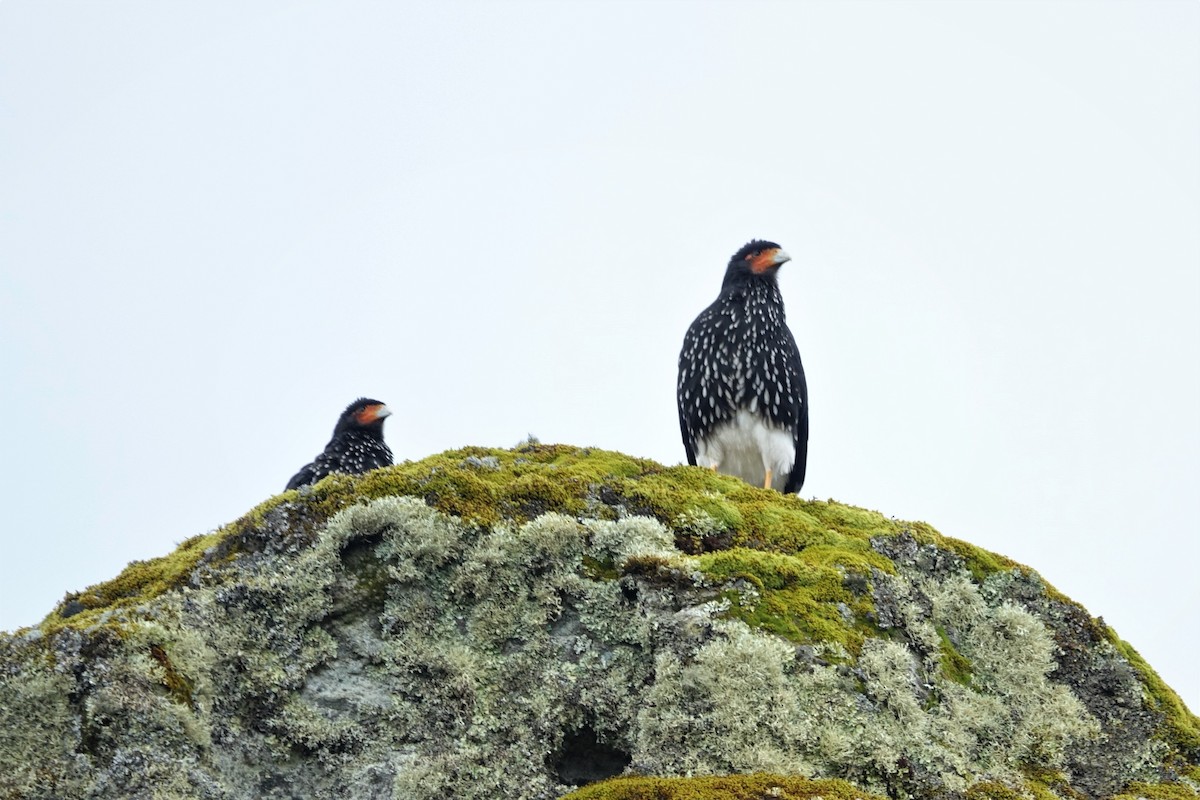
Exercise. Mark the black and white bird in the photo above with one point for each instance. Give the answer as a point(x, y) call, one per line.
point(743, 401)
point(357, 444)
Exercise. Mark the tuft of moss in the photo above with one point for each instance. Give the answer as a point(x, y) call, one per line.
point(1157, 791)
point(137, 583)
point(720, 787)
point(992, 790)
point(1042, 783)
point(802, 597)
point(955, 666)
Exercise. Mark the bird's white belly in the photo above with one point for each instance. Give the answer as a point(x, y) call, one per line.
point(746, 447)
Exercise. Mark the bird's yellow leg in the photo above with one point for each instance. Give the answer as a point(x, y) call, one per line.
point(767, 482)
point(713, 467)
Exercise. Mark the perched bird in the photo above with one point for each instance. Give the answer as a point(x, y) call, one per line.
point(743, 401)
point(357, 444)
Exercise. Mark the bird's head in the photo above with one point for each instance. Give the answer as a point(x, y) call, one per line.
point(363, 413)
point(756, 258)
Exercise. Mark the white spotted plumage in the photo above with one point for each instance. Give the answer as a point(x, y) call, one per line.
point(743, 405)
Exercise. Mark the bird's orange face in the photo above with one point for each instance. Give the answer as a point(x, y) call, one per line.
point(371, 414)
point(764, 260)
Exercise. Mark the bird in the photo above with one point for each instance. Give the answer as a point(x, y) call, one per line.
point(357, 445)
point(742, 395)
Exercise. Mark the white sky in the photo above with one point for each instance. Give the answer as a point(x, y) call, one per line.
point(221, 222)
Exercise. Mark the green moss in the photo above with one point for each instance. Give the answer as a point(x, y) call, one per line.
point(137, 583)
point(1041, 791)
point(752, 517)
point(1157, 791)
point(992, 790)
point(955, 666)
point(528, 482)
point(801, 597)
point(1181, 726)
point(720, 787)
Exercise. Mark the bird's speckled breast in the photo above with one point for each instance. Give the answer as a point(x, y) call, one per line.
point(736, 356)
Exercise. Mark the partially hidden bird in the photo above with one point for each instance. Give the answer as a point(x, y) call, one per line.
point(357, 445)
point(743, 400)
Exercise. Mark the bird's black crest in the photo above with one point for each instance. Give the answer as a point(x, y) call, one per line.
point(360, 404)
point(739, 272)
point(347, 419)
point(755, 246)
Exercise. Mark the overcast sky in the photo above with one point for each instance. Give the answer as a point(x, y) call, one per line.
point(222, 222)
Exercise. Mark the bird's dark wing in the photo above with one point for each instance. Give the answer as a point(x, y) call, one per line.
point(306, 475)
point(689, 387)
point(800, 427)
point(314, 471)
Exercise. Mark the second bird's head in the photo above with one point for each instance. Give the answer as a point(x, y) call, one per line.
point(363, 414)
point(756, 258)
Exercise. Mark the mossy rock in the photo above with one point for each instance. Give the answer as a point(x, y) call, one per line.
point(458, 625)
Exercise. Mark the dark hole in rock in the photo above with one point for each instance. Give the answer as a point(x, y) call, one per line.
point(584, 759)
point(361, 548)
point(629, 590)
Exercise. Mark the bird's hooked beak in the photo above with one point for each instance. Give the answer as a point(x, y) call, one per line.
point(768, 260)
point(372, 414)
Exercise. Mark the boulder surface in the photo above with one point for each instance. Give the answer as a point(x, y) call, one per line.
point(557, 621)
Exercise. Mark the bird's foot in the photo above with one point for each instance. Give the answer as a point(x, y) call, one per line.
point(767, 480)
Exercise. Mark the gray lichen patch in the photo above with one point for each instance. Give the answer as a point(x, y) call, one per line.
point(400, 651)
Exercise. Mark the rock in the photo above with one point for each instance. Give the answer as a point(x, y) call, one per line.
point(491, 623)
